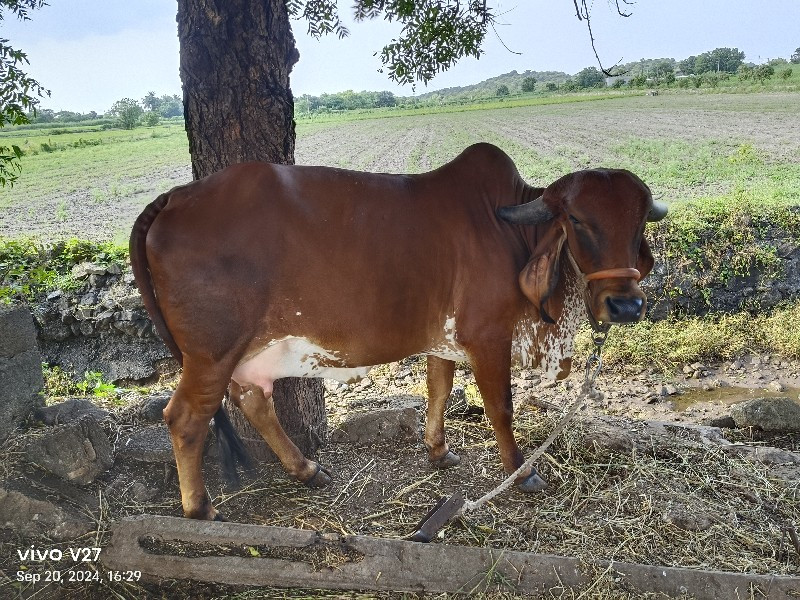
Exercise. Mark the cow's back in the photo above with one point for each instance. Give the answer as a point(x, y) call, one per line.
point(369, 263)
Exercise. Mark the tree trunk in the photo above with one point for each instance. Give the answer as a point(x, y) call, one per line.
point(236, 57)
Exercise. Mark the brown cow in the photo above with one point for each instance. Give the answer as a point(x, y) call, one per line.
point(263, 271)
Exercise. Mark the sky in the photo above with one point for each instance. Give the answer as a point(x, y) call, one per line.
point(90, 53)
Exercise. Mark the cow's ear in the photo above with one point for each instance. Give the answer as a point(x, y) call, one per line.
point(645, 262)
point(539, 278)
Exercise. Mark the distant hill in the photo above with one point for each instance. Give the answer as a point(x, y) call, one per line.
point(488, 87)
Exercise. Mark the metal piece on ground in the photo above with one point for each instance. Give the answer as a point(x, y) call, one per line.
point(444, 510)
point(302, 558)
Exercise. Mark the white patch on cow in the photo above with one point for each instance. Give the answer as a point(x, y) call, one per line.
point(558, 342)
point(294, 357)
point(448, 348)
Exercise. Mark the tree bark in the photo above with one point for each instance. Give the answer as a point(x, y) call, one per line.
point(235, 61)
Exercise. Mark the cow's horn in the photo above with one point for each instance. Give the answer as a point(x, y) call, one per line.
point(658, 212)
point(530, 213)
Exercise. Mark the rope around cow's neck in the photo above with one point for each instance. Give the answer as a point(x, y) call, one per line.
point(593, 365)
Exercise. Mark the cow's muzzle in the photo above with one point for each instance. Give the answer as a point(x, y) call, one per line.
point(624, 310)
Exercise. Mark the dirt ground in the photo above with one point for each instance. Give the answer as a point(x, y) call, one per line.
point(679, 500)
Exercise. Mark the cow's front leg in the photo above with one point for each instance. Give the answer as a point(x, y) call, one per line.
point(492, 369)
point(440, 384)
point(260, 411)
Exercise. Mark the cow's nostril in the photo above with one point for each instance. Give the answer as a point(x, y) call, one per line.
point(624, 310)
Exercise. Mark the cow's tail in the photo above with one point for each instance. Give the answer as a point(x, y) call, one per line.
point(231, 447)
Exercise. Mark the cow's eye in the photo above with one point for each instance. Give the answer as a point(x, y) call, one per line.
point(574, 220)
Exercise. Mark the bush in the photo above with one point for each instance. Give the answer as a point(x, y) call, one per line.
point(151, 118)
point(502, 91)
point(551, 87)
point(786, 73)
point(763, 72)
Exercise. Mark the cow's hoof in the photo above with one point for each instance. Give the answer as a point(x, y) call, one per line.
point(451, 459)
point(219, 517)
point(320, 479)
point(532, 483)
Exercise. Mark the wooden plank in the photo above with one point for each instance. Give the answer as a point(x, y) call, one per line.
point(307, 559)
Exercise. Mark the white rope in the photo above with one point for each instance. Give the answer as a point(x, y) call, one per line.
point(470, 505)
point(593, 366)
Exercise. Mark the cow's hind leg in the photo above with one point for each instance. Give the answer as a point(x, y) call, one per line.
point(188, 413)
point(260, 411)
point(440, 384)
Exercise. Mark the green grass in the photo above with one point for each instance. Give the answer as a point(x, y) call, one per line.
point(30, 267)
point(79, 161)
point(667, 344)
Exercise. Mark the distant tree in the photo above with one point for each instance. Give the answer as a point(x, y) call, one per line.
point(151, 102)
point(127, 112)
point(639, 80)
point(686, 66)
point(777, 62)
point(697, 81)
point(796, 57)
point(529, 84)
point(662, 71)
point(618, 83)
point(502, 91)
point(719, 59)
point(19, 93)
point(385, 99)
point(684, 82)
point(589, 77)
point(170, 106)
point(786, 73)
point(763, 72)
point(550, 86)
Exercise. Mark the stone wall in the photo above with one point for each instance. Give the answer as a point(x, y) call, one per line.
point(103, 325)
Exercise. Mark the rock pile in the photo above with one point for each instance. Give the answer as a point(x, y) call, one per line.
point(101, 326)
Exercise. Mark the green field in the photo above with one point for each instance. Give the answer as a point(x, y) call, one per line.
point(720, 159)
point(92, 183)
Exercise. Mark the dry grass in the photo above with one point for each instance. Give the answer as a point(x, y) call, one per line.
point(681, 503)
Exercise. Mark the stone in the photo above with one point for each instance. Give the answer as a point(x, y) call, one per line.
point(401, 401)
point(69, 411)
point(776, 386)
point(151, 410)
point(726, 422)
point(20, 368)
point(29, 516)
point(84, 269)
point(379, 426)
point(683, 518)
point(670, 389)
point(779, 415)
point(117, 356)
point(140, 492)
point(77, 452)
point(150, 445)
